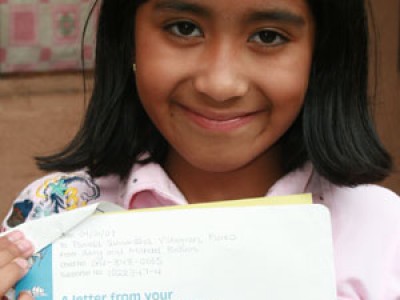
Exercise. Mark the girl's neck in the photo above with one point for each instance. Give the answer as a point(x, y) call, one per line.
point(252, 180)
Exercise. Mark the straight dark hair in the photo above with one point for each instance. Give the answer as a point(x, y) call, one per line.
point(334, 130)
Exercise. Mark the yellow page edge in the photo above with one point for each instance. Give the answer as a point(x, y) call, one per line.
point(300, 199)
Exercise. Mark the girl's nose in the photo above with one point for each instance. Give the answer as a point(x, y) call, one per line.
point(221, 78)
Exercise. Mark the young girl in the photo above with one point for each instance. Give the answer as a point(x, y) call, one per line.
point(204, 100)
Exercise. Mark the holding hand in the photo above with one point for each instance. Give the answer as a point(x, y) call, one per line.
point(14, 252)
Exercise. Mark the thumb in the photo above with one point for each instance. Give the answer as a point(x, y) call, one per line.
point(25, 295)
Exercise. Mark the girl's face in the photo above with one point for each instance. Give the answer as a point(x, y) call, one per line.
point(223, 80)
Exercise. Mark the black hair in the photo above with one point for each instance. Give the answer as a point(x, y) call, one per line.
point(334, 130)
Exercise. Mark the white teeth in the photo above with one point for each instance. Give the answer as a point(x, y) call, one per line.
point(226, 121)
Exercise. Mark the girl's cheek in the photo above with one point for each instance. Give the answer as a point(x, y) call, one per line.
point(284, 88)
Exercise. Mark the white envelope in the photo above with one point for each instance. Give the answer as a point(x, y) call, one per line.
point(256, 252)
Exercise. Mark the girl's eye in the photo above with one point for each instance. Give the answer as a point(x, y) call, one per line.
point(184, 29)
point(268, 38)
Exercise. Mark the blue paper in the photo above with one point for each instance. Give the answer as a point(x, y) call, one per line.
point(39, 280)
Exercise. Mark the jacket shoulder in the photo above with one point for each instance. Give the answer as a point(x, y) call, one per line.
point(51, 194)
point(368, 203)
point(365, 193)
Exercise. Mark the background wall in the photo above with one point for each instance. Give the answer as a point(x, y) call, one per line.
point(38, 114)
point(387, 15)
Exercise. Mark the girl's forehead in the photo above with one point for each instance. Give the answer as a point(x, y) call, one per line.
point(226, 7)
point(237, 12)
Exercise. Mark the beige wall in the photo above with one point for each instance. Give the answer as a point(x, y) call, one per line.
point(387, 15)
point(38, 115)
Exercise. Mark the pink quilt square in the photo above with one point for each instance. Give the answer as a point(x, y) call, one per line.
point(45, 54)
point(3, 55)
point(23, 25)
point(88, 52)
point(66, 24)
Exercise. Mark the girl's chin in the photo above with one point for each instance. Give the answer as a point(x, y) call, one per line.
point(220, 164)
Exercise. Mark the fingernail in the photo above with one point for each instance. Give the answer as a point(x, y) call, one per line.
point(25, 246)
point(24, 294)
point(22, 263)
point(15, 236)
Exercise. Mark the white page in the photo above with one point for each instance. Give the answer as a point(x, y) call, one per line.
point(270, 252)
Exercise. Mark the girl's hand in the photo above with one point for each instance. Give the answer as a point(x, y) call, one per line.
point(25, 296)
point(14, 252)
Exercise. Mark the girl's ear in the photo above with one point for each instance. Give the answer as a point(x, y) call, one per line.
point(134, 68)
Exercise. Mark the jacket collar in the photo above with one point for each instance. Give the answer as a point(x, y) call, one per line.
point(148, 185)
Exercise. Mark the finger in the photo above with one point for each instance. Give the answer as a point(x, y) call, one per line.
point(11, 273)
point(11, 237)
point(25, 295)
point(21, 248)
point(12, 246)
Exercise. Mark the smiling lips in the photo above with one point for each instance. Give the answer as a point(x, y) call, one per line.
point(219, 122)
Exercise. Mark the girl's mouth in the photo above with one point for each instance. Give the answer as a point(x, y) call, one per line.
point(217, 121)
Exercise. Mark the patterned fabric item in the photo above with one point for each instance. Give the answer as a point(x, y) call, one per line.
point(45, 35)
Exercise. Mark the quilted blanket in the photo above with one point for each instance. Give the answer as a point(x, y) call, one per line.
point(45, 35)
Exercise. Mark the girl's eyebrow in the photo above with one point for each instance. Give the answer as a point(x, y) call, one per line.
point(273, 14)
point(181, 6)
point(279, 15)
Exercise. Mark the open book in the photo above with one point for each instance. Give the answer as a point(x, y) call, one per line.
point(224, 251)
